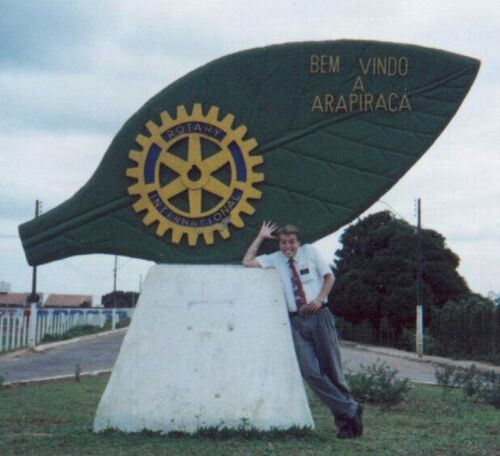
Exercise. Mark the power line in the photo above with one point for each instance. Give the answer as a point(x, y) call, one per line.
point(394, 211)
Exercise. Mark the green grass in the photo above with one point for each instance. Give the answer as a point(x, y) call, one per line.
point(76, 331)
point(84, 330)
point(56, 419)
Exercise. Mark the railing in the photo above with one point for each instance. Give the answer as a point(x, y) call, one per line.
point(27, 327)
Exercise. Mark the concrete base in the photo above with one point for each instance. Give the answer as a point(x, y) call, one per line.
point(208, 346)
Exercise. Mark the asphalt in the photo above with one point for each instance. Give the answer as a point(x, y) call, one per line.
point(92, 354)
point(97, 353)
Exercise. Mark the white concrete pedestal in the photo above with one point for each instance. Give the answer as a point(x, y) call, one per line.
point(208, 346)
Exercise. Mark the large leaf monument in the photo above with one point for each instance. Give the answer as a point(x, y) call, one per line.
point(311, 133)
point(305, 133)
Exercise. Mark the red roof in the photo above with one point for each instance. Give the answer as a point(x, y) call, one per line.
point(13, 299)
point(66, 300)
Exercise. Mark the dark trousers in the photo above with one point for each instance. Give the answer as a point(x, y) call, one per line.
point(317, 349)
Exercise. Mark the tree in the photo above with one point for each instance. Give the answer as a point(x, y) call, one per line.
point(376, 273)
point(120, 299)
point(467, 328)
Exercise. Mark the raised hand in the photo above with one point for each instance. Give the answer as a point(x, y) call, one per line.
point(266, 230)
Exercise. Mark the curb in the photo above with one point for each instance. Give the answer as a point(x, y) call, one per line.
point(55, 378)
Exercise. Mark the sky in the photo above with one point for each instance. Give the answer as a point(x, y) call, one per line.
point(72, 72)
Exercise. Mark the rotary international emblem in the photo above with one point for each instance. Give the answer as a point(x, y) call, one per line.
point(194, 175)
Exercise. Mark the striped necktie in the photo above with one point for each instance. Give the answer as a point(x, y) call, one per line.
point(298, 290)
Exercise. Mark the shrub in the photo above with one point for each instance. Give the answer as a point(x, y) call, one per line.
point(120, 322)
point(108, 323)
point(125, 321)
point(361, 332)
point(76, 331)
point(378, 383)
point(466, 328)
point(491, 395)
point(444, 376)
point(481, 385)
point(408, 342)
point(469, 379)
point(78, 371)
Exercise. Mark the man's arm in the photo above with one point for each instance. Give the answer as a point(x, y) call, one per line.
point(328, 280)
point(316, 304)
point(265, 232)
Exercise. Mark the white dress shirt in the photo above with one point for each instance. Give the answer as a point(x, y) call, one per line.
point(310, 267)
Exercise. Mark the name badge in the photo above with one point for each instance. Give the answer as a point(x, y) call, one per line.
point(304, 271)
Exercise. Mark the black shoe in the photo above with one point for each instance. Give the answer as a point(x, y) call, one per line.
point(345, 432)
point(357, 421)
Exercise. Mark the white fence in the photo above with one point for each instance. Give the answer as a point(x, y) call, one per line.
point(27, 327)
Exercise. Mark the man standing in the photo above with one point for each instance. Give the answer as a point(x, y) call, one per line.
point(307, 281)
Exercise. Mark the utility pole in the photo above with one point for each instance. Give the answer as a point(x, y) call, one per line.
point(419, 322)
point(114, 275)
point(113, 318)
point(33, 297)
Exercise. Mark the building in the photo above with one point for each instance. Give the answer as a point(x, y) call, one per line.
point(53, 301)
point(67, 300)
point(13, 300)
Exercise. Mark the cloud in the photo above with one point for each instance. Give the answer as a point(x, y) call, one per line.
point(68, 102)
point(45, 166)
point(47, 34)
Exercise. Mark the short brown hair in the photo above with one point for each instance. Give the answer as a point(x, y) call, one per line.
point(288, 229)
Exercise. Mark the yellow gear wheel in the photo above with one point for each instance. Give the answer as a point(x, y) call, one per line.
point(194, 174)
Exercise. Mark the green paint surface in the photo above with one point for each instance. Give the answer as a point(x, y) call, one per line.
point(337, 123)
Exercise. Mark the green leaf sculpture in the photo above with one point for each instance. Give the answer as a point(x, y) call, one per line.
point(308, 133)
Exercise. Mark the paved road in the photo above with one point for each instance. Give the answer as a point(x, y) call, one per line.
point(91, 354)
point(99, 353)
point(353, 356)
